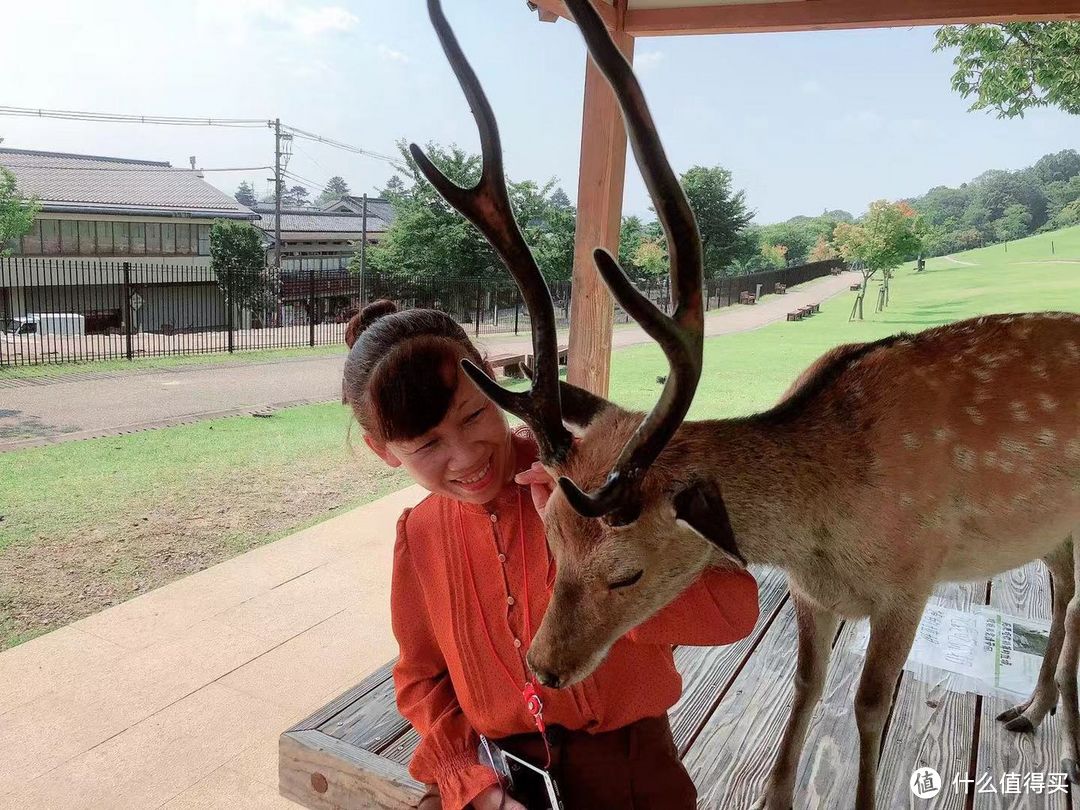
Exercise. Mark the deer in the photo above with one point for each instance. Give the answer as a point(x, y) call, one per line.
point(948, 455)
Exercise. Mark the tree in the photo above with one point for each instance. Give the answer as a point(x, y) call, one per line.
point(881, 241)
point(336, 188)
point(245, 194)
point(651, 259)
point(1015, 223)
point(1011, 68)
point(16, 212)
point(773, 257)
point(822, 251)
point(237, 259)
point(295, 197)
point(722, 216)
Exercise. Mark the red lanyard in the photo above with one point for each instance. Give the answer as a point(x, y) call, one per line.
point(533, 705)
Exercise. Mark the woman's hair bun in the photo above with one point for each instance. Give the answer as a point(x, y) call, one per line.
point(366, 317)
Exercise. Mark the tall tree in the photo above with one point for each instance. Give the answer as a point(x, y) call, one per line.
point(336, 188)
point(245, 194)
point(1011, 68)
point(237, 259)
point(722, 216)
point(16, 212)
point(295, 197)
point(881, 241)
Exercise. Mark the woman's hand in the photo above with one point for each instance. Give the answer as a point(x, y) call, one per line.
point(540, 485)
point(493, 799)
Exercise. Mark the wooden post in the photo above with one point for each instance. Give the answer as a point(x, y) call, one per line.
point(599, 215)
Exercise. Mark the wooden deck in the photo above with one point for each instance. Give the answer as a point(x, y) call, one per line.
point(354, 752)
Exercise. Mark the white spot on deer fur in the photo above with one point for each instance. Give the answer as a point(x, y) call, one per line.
point(943, 434)
point(1072, 350)
point(1046, 437)
point(983, 374)
point(1047, 402)
point(990, 459)
point(1019, 411)
point(911, 441)
point(992, 360)
point(1038, 368)
point(982, 395)
point(1072, 449)
point(1015, 448)
point(974, 415)
point(964, 458)
point(906, 499)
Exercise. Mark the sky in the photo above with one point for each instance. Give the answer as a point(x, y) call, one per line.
point(805, 121)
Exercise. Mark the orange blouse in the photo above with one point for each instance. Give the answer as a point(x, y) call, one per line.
point(456, 597)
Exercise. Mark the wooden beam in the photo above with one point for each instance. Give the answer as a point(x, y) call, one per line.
point(820, 15)
point(549, 9)
point(599, 214)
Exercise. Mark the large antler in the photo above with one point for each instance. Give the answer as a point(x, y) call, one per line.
point(680, 336)
point(487, 206)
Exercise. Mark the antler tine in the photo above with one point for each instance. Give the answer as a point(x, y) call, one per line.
point(487, 206)
point(679, 336)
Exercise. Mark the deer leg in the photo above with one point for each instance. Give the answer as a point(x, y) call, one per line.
point(1026, 716)
point(1066, 680)
point(891, 635)
point(817, 627)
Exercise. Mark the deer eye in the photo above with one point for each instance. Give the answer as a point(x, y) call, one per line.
point(625, 582)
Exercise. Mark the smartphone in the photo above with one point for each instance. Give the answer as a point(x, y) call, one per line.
point(522, 778)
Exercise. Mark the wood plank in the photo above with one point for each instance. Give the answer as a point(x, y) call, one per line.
point(600, 190)
point(708, 671)
point(1022, 592)
point(320, 772)
point(346, 699)
point(930, 724)
point(818, 15)
point(730, 759)
point(401, 750)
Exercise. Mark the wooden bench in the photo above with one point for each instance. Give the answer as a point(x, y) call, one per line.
point(780, 289)
point(509, 363)
point(797, 315)
point(354, 752)
point(855, 287)
point(747, 297)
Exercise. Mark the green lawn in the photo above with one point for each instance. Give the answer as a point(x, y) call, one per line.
point(87, 524)
point(152, 363)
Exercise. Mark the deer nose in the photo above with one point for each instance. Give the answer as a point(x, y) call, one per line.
point(546, 678)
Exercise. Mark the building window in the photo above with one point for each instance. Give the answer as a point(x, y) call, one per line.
point(122, 238)
point(104, 238)
point(204, 240)
point(31, 241)
point(168, 239)
point(69, 237)
point(87, 238)
point(153, 238)
point(50, 237)
point(138, 238)
point(183, 239)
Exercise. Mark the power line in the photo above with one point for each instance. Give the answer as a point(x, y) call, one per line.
point(311, 136)
point(171, 120)
point(108, 169)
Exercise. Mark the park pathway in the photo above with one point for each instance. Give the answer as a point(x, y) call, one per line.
point(65, 408)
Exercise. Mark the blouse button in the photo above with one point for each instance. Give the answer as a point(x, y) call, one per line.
point(517, 642)
point(494, 518)
point(510, 600)
point(502, 558)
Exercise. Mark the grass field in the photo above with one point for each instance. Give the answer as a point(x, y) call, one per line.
point(87, 524)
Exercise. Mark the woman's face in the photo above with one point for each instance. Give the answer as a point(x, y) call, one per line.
point(468, 456)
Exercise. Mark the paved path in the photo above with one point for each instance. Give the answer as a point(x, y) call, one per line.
point(63, 409)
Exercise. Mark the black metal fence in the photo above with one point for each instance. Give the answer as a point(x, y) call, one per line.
point(59, 311)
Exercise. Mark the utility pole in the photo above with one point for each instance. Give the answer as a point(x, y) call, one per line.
point(363, 249)
point(277, 194)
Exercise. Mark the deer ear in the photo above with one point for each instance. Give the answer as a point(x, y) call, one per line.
point(580, 407)
point(700, 508)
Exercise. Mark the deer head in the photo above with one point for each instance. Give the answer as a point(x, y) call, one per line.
point(619, 507)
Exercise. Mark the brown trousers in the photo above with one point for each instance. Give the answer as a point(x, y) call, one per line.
point(636, 767)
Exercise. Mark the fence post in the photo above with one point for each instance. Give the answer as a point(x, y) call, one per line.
point(230, 302)
point(517, 312)
point(477, 318)
point(311, 302)
point(127, 310)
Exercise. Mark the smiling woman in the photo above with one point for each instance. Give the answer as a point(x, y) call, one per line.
point(472, 577)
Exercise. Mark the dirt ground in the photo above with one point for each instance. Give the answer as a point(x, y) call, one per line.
point(54, 581)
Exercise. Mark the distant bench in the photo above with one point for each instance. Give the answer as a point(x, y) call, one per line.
point(804, 312)
point(511, 363)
